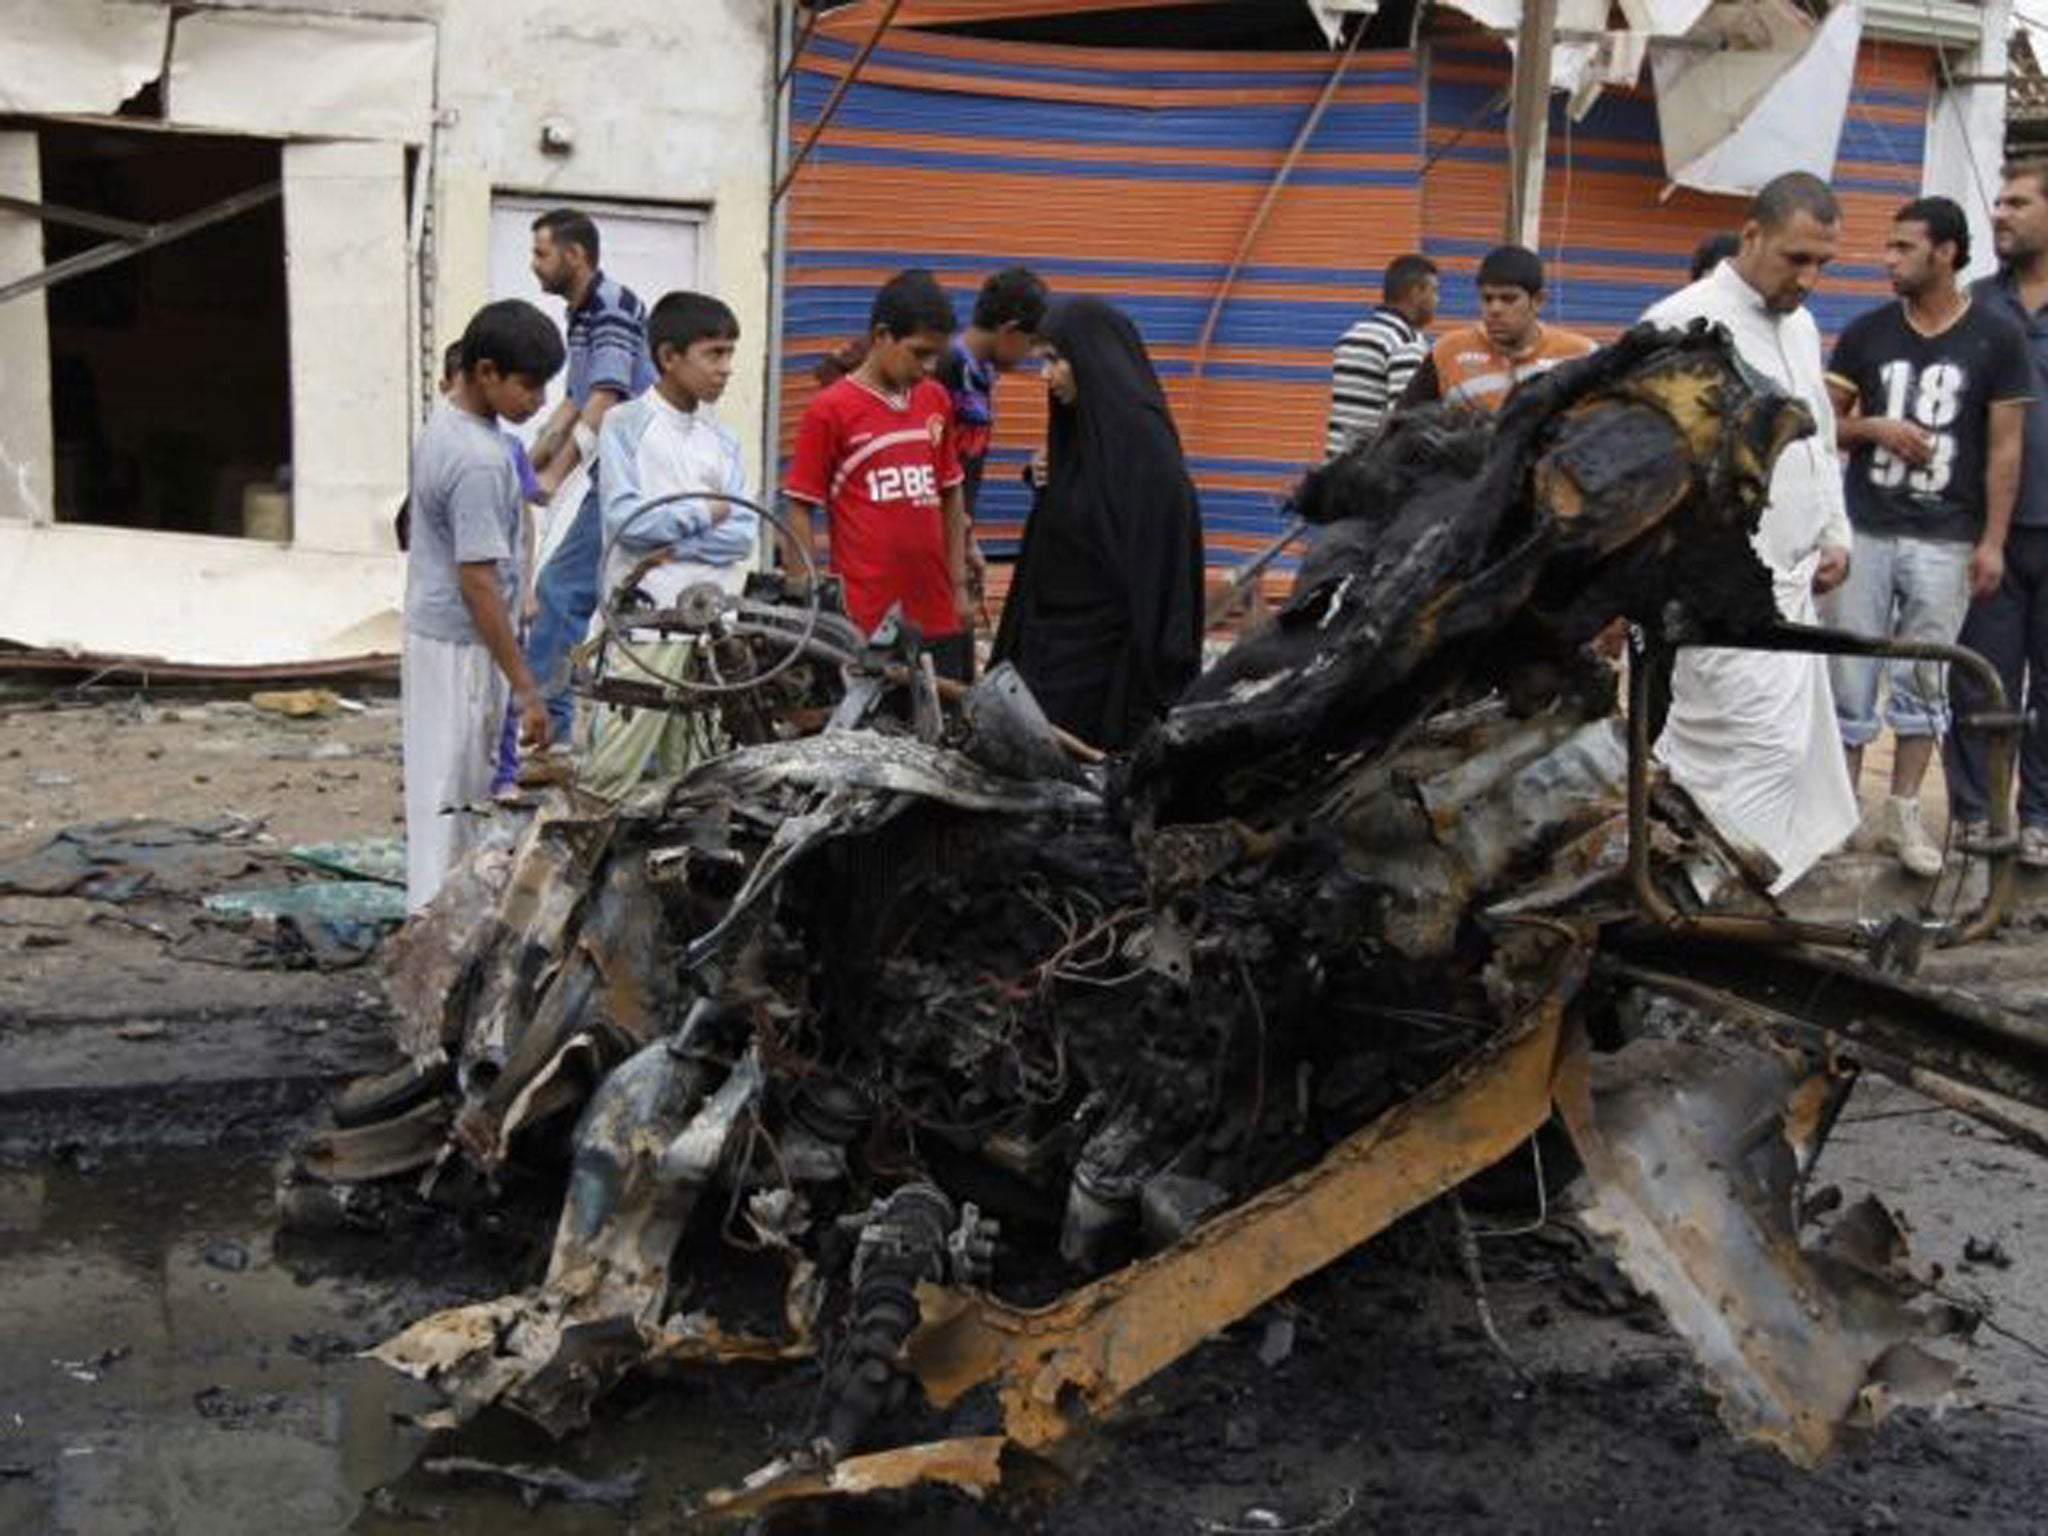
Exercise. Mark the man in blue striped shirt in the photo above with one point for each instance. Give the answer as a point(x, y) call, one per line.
point(1378, 355)
point(608, 363)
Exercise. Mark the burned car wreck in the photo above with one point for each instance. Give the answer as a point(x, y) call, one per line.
point(1016, 1073)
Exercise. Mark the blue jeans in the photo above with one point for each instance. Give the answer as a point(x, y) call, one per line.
point(2009, 629)
point(567, 590)
point(1899, 588)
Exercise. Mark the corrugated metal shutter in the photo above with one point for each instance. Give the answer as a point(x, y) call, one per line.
point(1612, 242)
point(1130, 174)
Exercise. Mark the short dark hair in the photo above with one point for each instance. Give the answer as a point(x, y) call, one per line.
point(2033, 168)
point(516, 338)
point(1014, 296)
point(1946, 223)
point(911, 302)
point(1512, 266)
point(1404, 275)
point(681, 318)
point(570, 226)
point(1712, 251)
point(1795, 192)
point(451, 360)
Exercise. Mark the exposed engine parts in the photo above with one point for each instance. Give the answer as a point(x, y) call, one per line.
point(1027, 1071)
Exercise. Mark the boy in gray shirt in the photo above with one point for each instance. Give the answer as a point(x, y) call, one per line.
point(461, 652)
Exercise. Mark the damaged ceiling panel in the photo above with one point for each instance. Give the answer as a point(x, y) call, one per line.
point(81, 57)
point(292, 74)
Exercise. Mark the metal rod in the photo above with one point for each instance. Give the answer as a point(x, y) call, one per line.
point(803, 41)
point(159, 234)
point(1265, 208)
point(832, 102)
point(1529, 122)
point(1246, 574)
point(76, 218)
point(2003, 729)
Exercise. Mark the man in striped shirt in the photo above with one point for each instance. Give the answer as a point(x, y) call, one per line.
point(608, 363)
point(1378, 355)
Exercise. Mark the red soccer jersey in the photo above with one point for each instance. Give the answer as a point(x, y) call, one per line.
point(880, 469)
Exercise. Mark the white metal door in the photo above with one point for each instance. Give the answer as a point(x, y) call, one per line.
point(652, 250)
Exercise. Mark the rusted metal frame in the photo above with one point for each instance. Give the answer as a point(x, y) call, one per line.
point(157, 234)
point(832, 102)
point(1954, 1050)
point(803, 41)
point(1265, 208)
point(1247, 573)
point(2003, 727)
point(1055, 1366)
point(75, 218)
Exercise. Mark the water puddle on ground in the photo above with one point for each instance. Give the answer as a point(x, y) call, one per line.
point(167, 1367)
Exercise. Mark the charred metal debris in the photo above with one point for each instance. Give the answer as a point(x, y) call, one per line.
point(1019, 1072)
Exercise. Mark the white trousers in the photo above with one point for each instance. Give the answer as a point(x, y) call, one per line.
point(453, 699)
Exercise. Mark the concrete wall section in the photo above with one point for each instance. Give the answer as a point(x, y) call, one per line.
point(26, 468)
point(351, 413)
point(659, 102)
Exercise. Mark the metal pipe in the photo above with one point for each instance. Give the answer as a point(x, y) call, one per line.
point(2003, 728)
point(1247, 573)
point(832, 102)
point(1265, 208)
point(159, 234)
point(76, 218)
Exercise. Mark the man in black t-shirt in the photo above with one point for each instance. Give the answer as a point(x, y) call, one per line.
point(1939, 388)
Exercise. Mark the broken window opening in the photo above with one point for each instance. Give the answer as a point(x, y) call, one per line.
point(170, 394)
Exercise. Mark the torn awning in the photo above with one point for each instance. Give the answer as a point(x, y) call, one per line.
point(80, 57)
point(1752, 91)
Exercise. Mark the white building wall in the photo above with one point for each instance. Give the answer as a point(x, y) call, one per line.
point(659, 101)
point(26, 463)
point(667, 101)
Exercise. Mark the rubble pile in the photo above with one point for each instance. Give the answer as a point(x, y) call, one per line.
point(1027, 1071)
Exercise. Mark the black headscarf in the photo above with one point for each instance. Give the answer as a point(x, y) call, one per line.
point(1104, 617)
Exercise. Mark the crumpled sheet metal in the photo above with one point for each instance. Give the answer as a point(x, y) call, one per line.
point(646, 1145)
point(1055, 1365)
point(973, 1464)
point(867, 760)
point(1692, 1152)
point(1472, 801)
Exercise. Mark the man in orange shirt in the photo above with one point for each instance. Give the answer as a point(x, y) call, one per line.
point(1478, 364)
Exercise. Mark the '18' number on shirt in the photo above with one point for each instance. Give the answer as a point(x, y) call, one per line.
point(1934, 405)
point(903, 482)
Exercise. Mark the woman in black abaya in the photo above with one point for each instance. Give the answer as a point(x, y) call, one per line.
point(1104, 618)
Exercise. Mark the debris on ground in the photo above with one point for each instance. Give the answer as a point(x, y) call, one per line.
point(993, 1079)
point(300, 703)
point(119, 860)
point(536, 1484)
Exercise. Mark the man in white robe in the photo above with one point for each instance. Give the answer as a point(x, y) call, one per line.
point(1751, 734)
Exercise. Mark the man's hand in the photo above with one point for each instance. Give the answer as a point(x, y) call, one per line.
point(1833, 569)
point(535, 729)
point(1987, 569)
point(1900, 438)
point(965, 606)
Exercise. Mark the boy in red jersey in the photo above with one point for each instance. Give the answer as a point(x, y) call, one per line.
point(876, 451)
